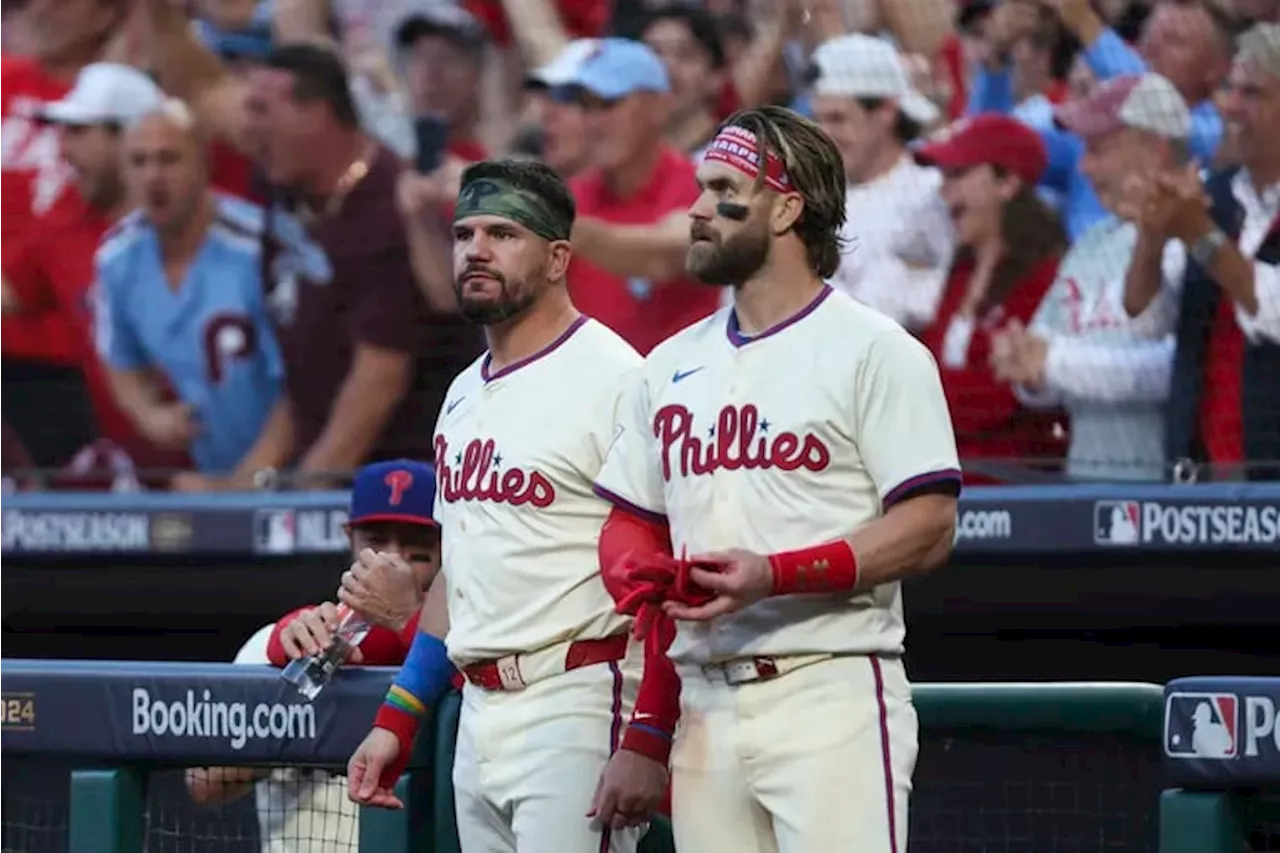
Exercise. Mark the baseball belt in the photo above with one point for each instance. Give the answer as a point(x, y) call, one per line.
point(759, 668)
point(516, 672)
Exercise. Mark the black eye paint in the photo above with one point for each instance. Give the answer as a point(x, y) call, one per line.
point(731, 210)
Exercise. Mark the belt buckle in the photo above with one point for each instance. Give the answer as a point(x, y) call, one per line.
point(748, 669)
point(509, 672)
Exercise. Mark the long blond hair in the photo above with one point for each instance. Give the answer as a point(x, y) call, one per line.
point(816, 169)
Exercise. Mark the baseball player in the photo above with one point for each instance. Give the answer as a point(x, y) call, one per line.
point(548, 664)
point(797, 446)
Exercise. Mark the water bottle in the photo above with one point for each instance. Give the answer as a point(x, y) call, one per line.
point(310, 675)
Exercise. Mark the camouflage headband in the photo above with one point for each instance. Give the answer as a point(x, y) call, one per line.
point(496, 197)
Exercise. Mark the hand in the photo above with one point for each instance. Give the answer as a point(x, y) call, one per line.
point(383, 588)
point(312, 631)
point(376, 753)
point(1186, 204)
point(1074, 14)
point(418, 194)
point(10, 302)
point(1133, 205)
point(740, 580)
point(1018, 356)
point(195, 482)
point(170, 425)
point(415, 194)
point(630, 790)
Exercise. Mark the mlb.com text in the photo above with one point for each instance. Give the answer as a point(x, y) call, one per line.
point(984, 524)
point(235, 722)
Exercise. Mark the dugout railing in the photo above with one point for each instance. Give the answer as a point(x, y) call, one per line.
point(1014, 767)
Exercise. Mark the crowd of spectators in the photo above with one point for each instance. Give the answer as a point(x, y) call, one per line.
point(226, 240)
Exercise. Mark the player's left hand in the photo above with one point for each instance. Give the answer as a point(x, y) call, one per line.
point(630, 790)
point(382, 587)
point(741, 579)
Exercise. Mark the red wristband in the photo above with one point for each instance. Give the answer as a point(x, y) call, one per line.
point(829, 567)
point(649, 741)
point(404, 726)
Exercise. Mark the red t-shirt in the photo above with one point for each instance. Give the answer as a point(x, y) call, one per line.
point(57, 267)
point(643, 312)
point(581, 18)
point(35, 183)
point(230, 171)
point(990, 422)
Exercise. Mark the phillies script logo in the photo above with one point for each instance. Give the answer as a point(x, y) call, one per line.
point(739, 439)
point(476, 474)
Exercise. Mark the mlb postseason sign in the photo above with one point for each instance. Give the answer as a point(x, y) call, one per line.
point(283, 531)
point(76, 532)
point(1020, 521)
point(1222, 732)
point(1187, 521)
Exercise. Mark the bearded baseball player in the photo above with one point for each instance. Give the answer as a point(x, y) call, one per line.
point(550, 670)
point(797, 447)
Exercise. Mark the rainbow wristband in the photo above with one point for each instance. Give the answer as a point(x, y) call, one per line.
point(829, 567)
point(423, 679)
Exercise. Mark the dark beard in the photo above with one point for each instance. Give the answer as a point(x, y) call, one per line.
point(513, 301)
point(731, 262)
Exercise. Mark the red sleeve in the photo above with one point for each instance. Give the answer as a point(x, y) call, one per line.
point(657, 710)
point(624, 534)
point(382, 647)
point(951, 57)
point(581, 18)
point(410, 630)
point(275, 650)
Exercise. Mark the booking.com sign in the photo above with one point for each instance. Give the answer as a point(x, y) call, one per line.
point(206, 717)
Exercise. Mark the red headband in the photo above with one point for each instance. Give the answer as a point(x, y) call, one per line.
point(736, 146)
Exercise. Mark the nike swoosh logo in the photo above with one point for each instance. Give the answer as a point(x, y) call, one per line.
point(681, 375)
point(449, 408)
point(642, 716)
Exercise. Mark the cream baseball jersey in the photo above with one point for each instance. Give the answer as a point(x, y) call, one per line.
point(516, 453)
point(787, 439)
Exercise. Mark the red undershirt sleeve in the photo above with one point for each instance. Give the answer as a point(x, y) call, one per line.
point(657, 710)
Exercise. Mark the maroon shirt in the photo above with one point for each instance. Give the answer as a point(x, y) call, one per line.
point(335, 282)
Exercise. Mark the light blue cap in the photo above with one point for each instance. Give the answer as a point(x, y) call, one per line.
point(619, 67)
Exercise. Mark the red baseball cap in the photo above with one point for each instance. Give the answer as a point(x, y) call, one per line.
point(991, 139)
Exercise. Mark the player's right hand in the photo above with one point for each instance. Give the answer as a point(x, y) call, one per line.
point(376, 753)
point(630, 790)
point(311, 632)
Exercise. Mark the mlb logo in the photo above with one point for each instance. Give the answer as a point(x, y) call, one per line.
point(1201, 725)
point(1116, 522)
point(274, 531)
